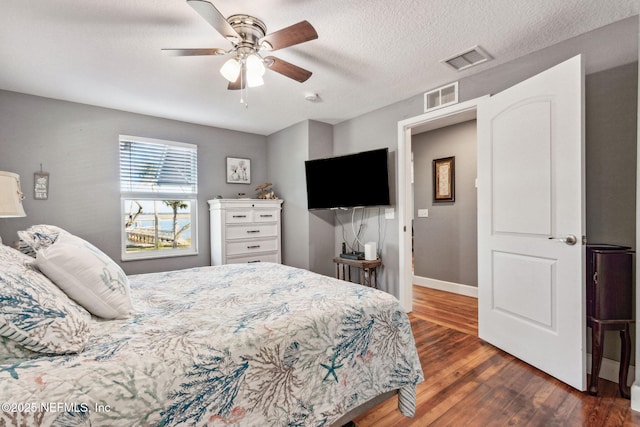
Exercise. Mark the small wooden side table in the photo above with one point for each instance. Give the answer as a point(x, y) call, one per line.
point(369, 276)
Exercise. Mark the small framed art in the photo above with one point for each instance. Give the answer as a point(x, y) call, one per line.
point(238, 171)
point(444, 179)
point(41, 185)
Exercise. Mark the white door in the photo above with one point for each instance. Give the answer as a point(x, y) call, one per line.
point(531, 222)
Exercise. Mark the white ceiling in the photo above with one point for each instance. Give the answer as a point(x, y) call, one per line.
point(370, 53)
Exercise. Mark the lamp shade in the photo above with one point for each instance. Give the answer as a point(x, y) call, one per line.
point(255, 66)
point(231, 70)
point(254, 81)
point(255, 71)
point(10, 196)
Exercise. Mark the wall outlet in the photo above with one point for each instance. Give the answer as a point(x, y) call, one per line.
point(389, 213)
point(423, 213)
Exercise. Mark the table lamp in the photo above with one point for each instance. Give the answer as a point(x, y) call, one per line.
point(10, 196)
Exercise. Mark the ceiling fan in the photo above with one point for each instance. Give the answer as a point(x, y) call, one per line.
point(248, 36)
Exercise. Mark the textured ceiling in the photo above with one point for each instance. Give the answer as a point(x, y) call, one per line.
point(370, 53)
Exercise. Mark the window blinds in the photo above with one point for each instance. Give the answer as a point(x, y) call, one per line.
point(154, 166)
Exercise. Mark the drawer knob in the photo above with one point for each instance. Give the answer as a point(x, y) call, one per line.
point(266, 216)
point(253, 247)
point(253, 231)
point(239, 216)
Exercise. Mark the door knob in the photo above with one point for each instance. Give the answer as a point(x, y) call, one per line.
point(569, 240)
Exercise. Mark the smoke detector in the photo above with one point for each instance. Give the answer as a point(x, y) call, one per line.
point(312, 97)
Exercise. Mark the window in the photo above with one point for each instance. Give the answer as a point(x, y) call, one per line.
point(159, 190)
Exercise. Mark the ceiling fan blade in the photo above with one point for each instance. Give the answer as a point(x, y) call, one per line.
point(194, 52)
point(297, 33)
point(216, 19)
point(288, 69)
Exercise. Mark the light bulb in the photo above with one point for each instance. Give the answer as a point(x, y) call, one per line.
point(231, 70)
point(255, 66)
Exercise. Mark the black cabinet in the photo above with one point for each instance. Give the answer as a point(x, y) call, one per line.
point(609, 305)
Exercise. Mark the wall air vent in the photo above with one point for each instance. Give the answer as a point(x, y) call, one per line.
point(441, 97)
point(469, 58)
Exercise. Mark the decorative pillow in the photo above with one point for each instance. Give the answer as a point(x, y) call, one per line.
point(87, 275)
point(8, 255)
point(36, 313)
point(38, 237)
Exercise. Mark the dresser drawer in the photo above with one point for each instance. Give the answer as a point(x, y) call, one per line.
point(234, 232)
point(268, 257)
point(238, 216)
point(266, 215)
point(249, 246)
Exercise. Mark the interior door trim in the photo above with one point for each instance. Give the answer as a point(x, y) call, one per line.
point(447, 116)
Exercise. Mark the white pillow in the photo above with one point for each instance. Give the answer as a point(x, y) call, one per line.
point(86, 275)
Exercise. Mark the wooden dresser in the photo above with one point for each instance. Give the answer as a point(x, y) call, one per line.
point(245, 230)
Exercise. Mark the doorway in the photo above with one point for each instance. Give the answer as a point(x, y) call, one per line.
point(445, 239)
point(447, 116)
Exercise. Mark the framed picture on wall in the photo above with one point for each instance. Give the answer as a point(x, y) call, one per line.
point(444, 179)
point(238, 171)
point(41, 186)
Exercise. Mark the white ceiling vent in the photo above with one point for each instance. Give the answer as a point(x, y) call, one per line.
point(469, 58)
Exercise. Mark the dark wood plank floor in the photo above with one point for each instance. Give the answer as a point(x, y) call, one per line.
point(471, 383)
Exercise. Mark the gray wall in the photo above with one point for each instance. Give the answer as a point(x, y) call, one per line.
point(287, 151)
point(307, 235)
point(445, 242)
point(611, 113)
point(321, 224)
point(78, 145)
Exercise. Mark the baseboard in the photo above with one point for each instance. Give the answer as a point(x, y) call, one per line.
point(441, 285)
point(610, 368)
point(635, 397)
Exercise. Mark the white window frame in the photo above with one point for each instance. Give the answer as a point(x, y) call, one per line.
point(125, 196)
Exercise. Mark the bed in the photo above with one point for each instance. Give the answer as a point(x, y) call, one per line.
point(256, 344)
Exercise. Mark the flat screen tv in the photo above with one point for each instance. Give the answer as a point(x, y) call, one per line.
point(353, 180)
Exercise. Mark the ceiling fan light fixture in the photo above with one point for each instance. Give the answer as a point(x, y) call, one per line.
point(255, 65)
point(254, 81)
point(248, 35)
point(231, 70)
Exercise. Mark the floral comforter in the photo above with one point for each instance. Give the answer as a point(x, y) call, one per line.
point(245, 344)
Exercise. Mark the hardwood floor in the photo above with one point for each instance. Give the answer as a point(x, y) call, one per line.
point(471, 383)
